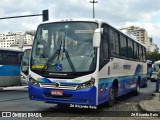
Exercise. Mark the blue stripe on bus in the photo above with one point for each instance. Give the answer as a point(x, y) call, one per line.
point(124, 86)
point(9, 70)
point(105, 85)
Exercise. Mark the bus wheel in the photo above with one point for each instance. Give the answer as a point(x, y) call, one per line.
point(112, 97)
point(145, 85)
point(137, 91)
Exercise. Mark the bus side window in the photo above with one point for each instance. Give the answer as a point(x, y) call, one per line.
point(114, 42)
point(135, 51)
point(12, 59)
point(144, 54)
point(140, 53)
point(130, 49)
point(123, 46)
point(2, 58)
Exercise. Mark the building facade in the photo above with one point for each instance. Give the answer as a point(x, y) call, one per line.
point(142, 36)
point(9, 39)
point(140, 33)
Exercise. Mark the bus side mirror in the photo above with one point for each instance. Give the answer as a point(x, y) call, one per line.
point(97, 37)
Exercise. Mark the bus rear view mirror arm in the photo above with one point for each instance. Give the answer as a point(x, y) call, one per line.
point(97, 37)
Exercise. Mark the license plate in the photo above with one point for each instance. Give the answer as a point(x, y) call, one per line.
point(57, 92)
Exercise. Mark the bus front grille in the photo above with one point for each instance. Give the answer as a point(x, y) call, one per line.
point(61, 86)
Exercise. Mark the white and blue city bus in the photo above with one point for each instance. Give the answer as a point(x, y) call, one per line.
point(85, 62)
point(9, 67)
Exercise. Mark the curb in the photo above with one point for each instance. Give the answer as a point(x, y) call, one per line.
point(140, 105)
point(149, 106)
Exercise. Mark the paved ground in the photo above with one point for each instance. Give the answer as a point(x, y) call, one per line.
point(16, 99)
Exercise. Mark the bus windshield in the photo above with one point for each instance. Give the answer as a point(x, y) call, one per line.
point(64, 47)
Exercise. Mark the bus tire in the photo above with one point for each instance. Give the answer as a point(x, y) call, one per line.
point(145, 85)
point(112, 97)
point(137, 90)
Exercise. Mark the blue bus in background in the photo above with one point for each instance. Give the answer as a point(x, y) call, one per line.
point(9, 67)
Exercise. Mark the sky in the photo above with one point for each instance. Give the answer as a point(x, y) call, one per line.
point(118, 13)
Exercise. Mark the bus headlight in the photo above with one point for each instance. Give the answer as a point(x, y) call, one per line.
point(87, 84)
point(34, 82)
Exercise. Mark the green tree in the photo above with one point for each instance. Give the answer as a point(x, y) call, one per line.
point(154, 56)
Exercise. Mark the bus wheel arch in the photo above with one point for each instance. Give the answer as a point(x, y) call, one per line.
point(113, 93)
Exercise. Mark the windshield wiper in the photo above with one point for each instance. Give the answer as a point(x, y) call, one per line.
point(67, 56)
point(57, 52)
point(70, 61)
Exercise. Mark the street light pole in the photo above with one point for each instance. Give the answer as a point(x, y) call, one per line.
point(93, 2)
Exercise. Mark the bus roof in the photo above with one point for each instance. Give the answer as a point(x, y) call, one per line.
point(99, 21)
point(6, 49)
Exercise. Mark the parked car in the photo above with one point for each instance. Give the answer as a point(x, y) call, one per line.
point(153, 76)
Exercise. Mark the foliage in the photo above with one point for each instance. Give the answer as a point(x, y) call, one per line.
point(153, 56)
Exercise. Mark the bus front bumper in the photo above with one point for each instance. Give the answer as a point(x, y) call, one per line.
point(86, 96)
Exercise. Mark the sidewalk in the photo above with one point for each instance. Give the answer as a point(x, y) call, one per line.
point(25, 88)
point(151, 105)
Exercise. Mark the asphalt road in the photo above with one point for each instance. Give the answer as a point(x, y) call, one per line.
point(16, 99)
